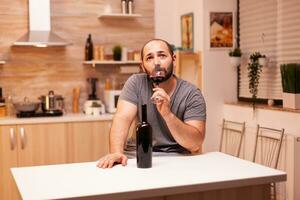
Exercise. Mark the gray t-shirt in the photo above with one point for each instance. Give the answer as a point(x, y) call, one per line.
point(187, 103)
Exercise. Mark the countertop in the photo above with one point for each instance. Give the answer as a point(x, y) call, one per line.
point(65, 118)
point(169, 175)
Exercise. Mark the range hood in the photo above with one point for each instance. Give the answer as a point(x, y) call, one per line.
point(40, 34)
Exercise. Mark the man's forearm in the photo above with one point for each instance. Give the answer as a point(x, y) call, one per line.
point(118, 135)
point(186, 135)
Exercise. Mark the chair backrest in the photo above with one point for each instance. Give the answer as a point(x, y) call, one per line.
point(232, 137)
point(267, 146)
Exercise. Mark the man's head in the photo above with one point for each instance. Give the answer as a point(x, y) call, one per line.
point(157, 52)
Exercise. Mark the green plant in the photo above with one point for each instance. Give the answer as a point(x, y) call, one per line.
point(254, 69)
point(290, 77)
point(117, 52)
point(236, 52)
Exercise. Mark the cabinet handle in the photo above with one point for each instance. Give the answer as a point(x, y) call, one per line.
point(12, 138)
point(22, 134)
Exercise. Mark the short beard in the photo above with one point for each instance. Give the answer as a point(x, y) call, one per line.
point(168, 72)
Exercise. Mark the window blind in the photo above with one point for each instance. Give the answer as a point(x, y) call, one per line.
point(271, 27)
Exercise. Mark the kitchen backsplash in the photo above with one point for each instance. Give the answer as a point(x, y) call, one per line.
point(32, 72)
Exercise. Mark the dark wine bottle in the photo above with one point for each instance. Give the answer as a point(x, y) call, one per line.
point(2, 100)
point(144, 141)
point(89, 48)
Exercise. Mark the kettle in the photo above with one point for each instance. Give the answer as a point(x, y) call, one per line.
point(52, 102)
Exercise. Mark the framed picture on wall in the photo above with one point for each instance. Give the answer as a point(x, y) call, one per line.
point(221, 29)
point(187, 32)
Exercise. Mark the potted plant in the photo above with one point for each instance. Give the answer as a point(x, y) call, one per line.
point(117, 52)
point(235, 57)
point(263, 60)
point(290, 79)
point(254, 70)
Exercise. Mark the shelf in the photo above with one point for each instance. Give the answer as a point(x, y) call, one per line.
point(111, 62)
point(119, 15)
point(2, 62)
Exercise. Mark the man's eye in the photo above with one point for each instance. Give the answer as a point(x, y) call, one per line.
point(162, 55)
point(148, 58)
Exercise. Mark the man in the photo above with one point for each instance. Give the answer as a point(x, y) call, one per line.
point(177, 118)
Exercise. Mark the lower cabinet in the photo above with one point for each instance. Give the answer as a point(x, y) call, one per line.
point(87, 141)
point(28, 145)
point(46, 144)
point(8, 159)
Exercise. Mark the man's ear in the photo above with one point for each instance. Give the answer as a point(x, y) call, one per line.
point(174, 57)
point(142, 67)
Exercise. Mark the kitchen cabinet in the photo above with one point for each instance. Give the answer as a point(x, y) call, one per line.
point(46, 144)
point(88, 141)
point(28, 145)
point(8, 159)
point(188, 67)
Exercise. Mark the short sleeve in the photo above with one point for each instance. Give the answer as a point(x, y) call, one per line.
point(130, 91)
point(196, 107)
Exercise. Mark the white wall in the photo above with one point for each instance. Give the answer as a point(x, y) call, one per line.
point(219, 79)
point(167, 20)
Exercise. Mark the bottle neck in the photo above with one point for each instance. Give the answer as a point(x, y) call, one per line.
point(144, 113)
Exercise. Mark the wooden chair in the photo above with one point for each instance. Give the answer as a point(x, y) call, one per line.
point(232, 137)
point(267, 149)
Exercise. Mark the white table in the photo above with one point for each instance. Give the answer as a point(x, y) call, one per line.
point(169, 175)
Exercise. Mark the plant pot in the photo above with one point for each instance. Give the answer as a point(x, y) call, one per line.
point(262, 61)
point(235, 61)
point(117, 56)
point(291, 100)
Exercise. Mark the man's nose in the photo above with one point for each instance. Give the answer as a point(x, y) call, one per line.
point(157, 60)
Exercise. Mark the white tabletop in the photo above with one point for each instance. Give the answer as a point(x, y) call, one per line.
point(169, 175)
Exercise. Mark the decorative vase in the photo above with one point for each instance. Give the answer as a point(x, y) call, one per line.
point(117, 56)
point(235, 61)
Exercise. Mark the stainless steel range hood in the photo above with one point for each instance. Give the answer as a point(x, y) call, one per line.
point(40, 34)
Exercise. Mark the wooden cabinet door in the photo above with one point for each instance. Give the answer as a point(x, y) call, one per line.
point(189, 68)
point(88, 141)
point(42, 144)
point(8, 159)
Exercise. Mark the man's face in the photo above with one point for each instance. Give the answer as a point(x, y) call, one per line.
point(156, 54)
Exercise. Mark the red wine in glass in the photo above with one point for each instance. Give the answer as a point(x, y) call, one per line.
point(158, 76)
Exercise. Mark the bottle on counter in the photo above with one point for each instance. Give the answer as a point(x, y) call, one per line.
point(76, 94)
point(2, 105)
point(89, 48)
point(10, 111)
point(144, 141)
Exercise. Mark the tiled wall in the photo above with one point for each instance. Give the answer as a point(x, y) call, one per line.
point(32, 72)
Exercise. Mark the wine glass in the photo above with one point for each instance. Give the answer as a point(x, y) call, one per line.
point(157, 76)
